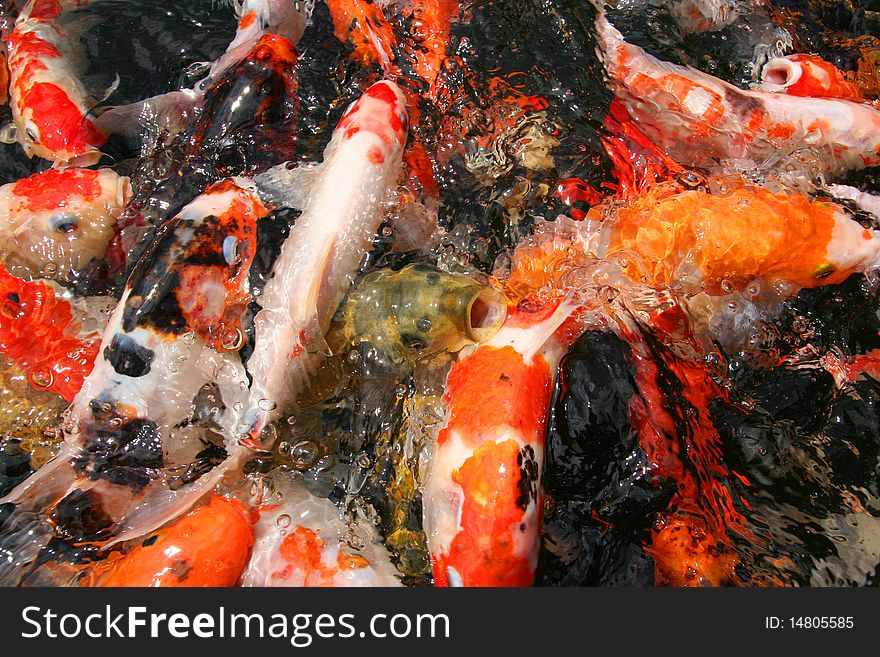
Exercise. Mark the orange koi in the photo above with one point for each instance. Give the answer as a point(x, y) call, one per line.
point(209, 546)
point(689, 544)
point(713, 240)
point(39, 332)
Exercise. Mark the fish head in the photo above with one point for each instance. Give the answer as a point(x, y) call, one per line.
point(50, 125)
point(381, 113)
point(852, 248)
point(420, 312)
point(258, 93)
point(58, 221)
point(205, 264)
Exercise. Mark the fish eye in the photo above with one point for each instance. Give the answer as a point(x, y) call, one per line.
point(30, 131)
point(824, 271)
point(413, 342)
point(63, 224)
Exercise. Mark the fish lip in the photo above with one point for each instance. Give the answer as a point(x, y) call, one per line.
point(485, 314)
point(771, 76)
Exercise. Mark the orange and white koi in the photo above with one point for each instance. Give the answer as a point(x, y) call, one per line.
point(176, 328)
point(807, 75)
point(51, 108)
point(320, 257)
point(700, 120)
point(209, 546)
point(41, 334)
point(58, 221)
point(303, 541)
point(482, 499)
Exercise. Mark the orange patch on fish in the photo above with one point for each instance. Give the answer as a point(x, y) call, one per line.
point(53, 188)
point(494, 387)
point(209, 546)
point(38, 332)
point(685, 555)
point(63, 126)
point(484, 552)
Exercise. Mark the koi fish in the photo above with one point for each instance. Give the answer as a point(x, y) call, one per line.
point(267, 33)
point(39, 332)
point(51, 108)
point(482, 503)
point(209, 546)
point(418, 313)
point(712, 241)
point(700, 120)
point(689, 543)
point(303, 541)
point(57, 222)
point(807, 75)
point(176, 328)
point(320, 256)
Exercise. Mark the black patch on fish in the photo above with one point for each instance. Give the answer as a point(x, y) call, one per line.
point(126, 455)
point(205, 461)
point(528, 477)
point(180, 569)
point(272, 231)
point(127, 357)
point(249, 116)
point(80, 516)
point(150, 541)
point(15, 465)
point(742, 104)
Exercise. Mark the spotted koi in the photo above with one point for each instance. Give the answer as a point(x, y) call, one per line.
point(303, 541)
point(176, 328)
point(482, 499)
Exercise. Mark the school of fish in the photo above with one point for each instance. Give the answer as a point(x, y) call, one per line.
point(280, 363)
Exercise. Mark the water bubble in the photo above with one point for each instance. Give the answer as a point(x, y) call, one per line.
point(50, 269)
point(363, 461)
point(42, 378)
point(266, 405)
point(304, 454)
point(232, 339)
point(283, 521)
point(353, 356)
point(356, 542)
